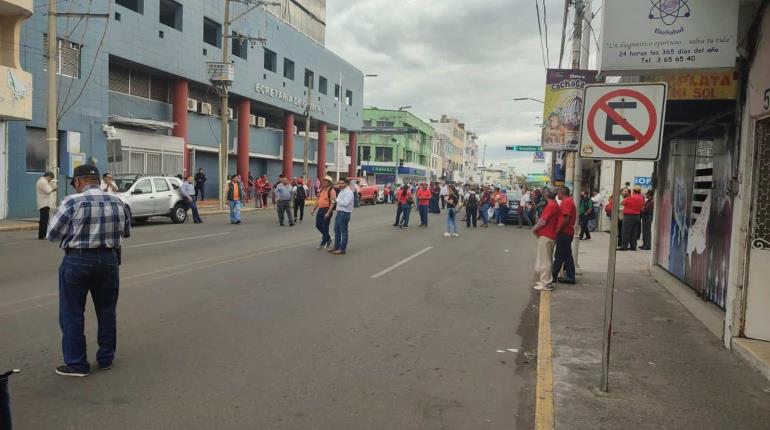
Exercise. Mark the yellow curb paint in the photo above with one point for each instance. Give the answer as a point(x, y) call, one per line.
point(544, 389)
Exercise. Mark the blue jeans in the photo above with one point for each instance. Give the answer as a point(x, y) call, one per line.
point(80, 274)
point(502, 213)
point(451, 220)
point(405, 209)
point(322, 225)
point(341, 230)
point(525, 217)
point(235, 210)
point(424, 214)
point(563, 257)
point(485, 214)
point(194, 207)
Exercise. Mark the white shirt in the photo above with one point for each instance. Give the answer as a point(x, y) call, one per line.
point(444, 191)
point(345, 200)
point(107, 188)
point(45, 193)
point(525, 199)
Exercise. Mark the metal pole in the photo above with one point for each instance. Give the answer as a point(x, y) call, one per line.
point(610, 287)
point(52, 126)
point(339, 124)
point(581, 61)
point(307, 129)
point(223, 145)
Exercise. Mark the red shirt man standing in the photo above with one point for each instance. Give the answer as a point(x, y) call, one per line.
point(546, 232)
point(423, 198)
point(633, 206)
point(564, 235)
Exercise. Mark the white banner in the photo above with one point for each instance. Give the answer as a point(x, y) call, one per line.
point(665, 35)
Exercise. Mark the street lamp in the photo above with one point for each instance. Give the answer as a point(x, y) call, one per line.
point(519, 99)
point(339, 125)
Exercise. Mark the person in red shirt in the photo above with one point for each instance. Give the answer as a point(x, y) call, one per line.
point(404, 202)
point(633, 206)
point(545, 230)
point(423, 200)
point(564, 235)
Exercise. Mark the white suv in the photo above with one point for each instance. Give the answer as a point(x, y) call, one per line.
point(148, 196)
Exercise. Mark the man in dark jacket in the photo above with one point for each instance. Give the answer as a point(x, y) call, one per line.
point(200, 181)
point(647, 212)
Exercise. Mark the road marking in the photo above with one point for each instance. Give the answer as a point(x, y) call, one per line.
point(402, 262)
point(176, 240)
point(544, 389)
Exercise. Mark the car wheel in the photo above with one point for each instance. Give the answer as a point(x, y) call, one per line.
point(140, 220)
point(178, 214)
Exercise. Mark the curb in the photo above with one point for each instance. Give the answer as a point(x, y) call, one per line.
point(544, 412)
point(19, 228)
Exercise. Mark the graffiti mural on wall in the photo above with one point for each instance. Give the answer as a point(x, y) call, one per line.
point(694, 228)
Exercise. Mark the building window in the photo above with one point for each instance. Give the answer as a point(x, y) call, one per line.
point(366, 153)
point(139, 84)
point(349, 97)
point(309, 78)
point(135, 5)
point(171, 14)
point(271, 60)
point(67, 57)
point(37, 150)
point(322, 84)
point(367, 123)
point(288, 69)
point(212, 32)
point(383, 154)
point(336, 92)
point(240, 46)
point(385, 124)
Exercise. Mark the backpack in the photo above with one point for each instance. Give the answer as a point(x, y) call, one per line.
point(473, 201)
point(301, 194)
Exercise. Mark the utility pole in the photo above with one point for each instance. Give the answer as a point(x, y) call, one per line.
point(580, 54)
point(339, 124)
point(307, 127)
point(52, 123)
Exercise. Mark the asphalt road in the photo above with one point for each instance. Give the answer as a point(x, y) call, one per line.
point(250, 327)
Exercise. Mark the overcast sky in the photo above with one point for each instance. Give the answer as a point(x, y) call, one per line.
point(466, 59)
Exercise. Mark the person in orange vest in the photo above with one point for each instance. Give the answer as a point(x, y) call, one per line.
point(423, 201)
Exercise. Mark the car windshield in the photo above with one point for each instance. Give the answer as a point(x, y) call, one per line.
point(125, 182)
point(514, 196)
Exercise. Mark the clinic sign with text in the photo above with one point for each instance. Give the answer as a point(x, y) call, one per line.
point(287, 98)
point(668, 35)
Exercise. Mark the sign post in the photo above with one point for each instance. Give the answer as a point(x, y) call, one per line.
point(620, 122)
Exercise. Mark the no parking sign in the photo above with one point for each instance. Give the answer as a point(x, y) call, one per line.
point(623, 122)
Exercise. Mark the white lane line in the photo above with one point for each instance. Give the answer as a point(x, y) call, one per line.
point(176, 240)
point(401, 263)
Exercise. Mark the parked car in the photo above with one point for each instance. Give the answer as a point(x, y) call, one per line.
point(368, 193)
point(148, 196)
point(514, 197)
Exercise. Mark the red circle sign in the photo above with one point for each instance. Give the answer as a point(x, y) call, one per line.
point(641, 138)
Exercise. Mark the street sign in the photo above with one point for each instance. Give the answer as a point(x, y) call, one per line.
point(539, 157)
point(623, 122)
point(525, 148)
point(643, 181)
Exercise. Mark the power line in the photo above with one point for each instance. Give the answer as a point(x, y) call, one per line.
point(545, 24)
point(563, 31)
point(540, 30)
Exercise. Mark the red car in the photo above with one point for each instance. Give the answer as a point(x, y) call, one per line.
point(367, 193)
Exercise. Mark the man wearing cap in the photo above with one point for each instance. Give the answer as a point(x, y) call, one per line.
point(89, 227)
point(324, 205)
point(545, 231)
point(46, 199)
point(633, 206)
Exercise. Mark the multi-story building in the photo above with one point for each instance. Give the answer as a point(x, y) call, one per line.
point(451, 135)
point(16, 90)
point(135, 95)
point(394, 146)
point(471, 159)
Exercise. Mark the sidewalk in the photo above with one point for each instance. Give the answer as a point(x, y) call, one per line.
point(18, 224)
point(667, 371)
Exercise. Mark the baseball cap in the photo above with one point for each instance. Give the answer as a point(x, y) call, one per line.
point(84, 170)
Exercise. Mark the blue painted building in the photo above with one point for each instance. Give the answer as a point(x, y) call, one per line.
point(135, 97)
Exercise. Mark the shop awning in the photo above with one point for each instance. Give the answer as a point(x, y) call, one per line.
point(149, 124)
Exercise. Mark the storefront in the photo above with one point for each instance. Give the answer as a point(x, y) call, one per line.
point(411, 175)
point(380, 175)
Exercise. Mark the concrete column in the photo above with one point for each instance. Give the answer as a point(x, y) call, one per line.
point(244, 111)
point(353, 166)
point(288, 144)
point(321, 168)
point(179, 115)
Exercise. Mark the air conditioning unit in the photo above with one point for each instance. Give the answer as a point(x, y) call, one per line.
point(252, 120)
point(261, 122)
point(230, 113)
point(294, 130)
point(206, 108)
point(192, 105)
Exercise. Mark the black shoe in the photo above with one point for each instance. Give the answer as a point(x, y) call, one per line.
point(645, 248)
point(622, 249)
point(280, 225)
point(105, 366)
point(566, 281)
point(68, 371)
point(291, 224)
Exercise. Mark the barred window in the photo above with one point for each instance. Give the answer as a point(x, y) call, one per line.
point(119, 78)
point(127, 81)
point(140, 84)
point(67, 57)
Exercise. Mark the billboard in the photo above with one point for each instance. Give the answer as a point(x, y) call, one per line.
point(563, 108)
point(699, 85)
point(667, 35)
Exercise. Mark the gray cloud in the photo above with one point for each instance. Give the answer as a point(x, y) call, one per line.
point(463, 58)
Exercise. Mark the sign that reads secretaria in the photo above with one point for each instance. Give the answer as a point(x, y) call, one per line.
point(280, 95)
point(643, 35)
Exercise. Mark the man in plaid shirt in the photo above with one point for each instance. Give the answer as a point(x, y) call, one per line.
point(90, 227)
